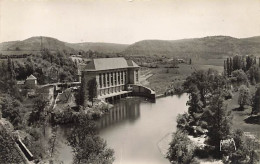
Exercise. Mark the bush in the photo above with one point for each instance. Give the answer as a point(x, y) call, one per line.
point(227, 94)
point(183, 122)
point(245, 150)
point(203, 152)
point(181, 149)
point(203, 124)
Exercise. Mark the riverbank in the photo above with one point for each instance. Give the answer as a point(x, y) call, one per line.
point(163, 79)
point(240, 117)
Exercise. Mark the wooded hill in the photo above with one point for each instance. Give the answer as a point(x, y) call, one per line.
point(207, 47)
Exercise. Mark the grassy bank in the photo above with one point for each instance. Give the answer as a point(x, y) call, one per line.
point(161, 79)
point(239, 117)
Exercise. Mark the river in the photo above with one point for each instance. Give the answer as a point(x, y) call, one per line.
point(137, 129)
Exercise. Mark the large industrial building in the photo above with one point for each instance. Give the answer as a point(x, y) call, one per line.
point(113, 76)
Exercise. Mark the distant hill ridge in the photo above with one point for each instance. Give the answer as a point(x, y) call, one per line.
point(211, 47)
point(208, 47)
point(53, 44)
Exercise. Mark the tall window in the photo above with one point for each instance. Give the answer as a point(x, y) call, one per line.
point(115, 78)
point(125, 77)
point(107, 79)
point(112, 78)
point(136, 76)
point(104, 80)
point(100, 81)
point(118, 77)
point(121, 77)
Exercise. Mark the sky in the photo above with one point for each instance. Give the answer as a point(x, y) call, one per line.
point(127, 21)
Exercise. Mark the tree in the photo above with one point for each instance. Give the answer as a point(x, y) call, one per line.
point(195, 105)
point(92, 90)
point(181, 149)
point(200, 80)
point(37, 115)
point(79, 97)
point(87, 146)
point(225, 68)
point(256, 102)
point(206, 82)
point(245, 149)
point(8, 152)
point(219, 122)
point(228, 67)
point(254, 74)
point(244, 97)
point(11, 109)
point(249, 62)
point(239, 78)
point(237, 62)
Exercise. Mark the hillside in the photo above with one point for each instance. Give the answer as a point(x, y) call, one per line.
point(98, 47)
point(34, 45)
point(208, 47)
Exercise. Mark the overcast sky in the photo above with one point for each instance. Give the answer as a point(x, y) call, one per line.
point(127, 21)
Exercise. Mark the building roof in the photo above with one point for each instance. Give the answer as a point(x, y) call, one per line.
point(110, 63)
point(31, 77)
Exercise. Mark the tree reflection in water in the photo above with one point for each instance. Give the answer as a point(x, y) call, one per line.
point(124, 110)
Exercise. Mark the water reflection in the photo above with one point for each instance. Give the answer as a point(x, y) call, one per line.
point(134, 127)
point(123, 110)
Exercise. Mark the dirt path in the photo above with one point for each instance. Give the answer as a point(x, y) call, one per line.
point(144, 76)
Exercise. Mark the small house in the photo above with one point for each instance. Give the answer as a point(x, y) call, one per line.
point(31, 81)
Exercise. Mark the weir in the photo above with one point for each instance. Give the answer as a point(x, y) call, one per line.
point(132, 90)
point(139, 90)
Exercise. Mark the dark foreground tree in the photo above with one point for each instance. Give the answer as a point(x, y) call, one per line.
point(92, 90)
point(87, 146)
point(8, 151)
point(37, 115)
point(195, 105)
point(256, 102)
point(219, 122)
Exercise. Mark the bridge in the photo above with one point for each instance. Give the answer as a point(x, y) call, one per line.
point(132, 90)
point(140, 90)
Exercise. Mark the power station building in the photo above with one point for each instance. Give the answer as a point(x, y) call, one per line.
point(113, 76)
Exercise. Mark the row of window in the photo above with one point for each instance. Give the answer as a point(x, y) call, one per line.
point(111, 90)
point(110, 79)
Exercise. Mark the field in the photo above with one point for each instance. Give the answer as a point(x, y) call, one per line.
point(160, 79)
point(239, 117)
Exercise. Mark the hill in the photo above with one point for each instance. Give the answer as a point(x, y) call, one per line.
point(207, 47)
point(98, 47)
point(34, 45)
point(211, 47)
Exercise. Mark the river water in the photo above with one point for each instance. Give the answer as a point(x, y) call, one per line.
point(135, 129)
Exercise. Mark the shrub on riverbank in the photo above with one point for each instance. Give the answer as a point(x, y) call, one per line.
point(68, 115)
point(181, 149)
